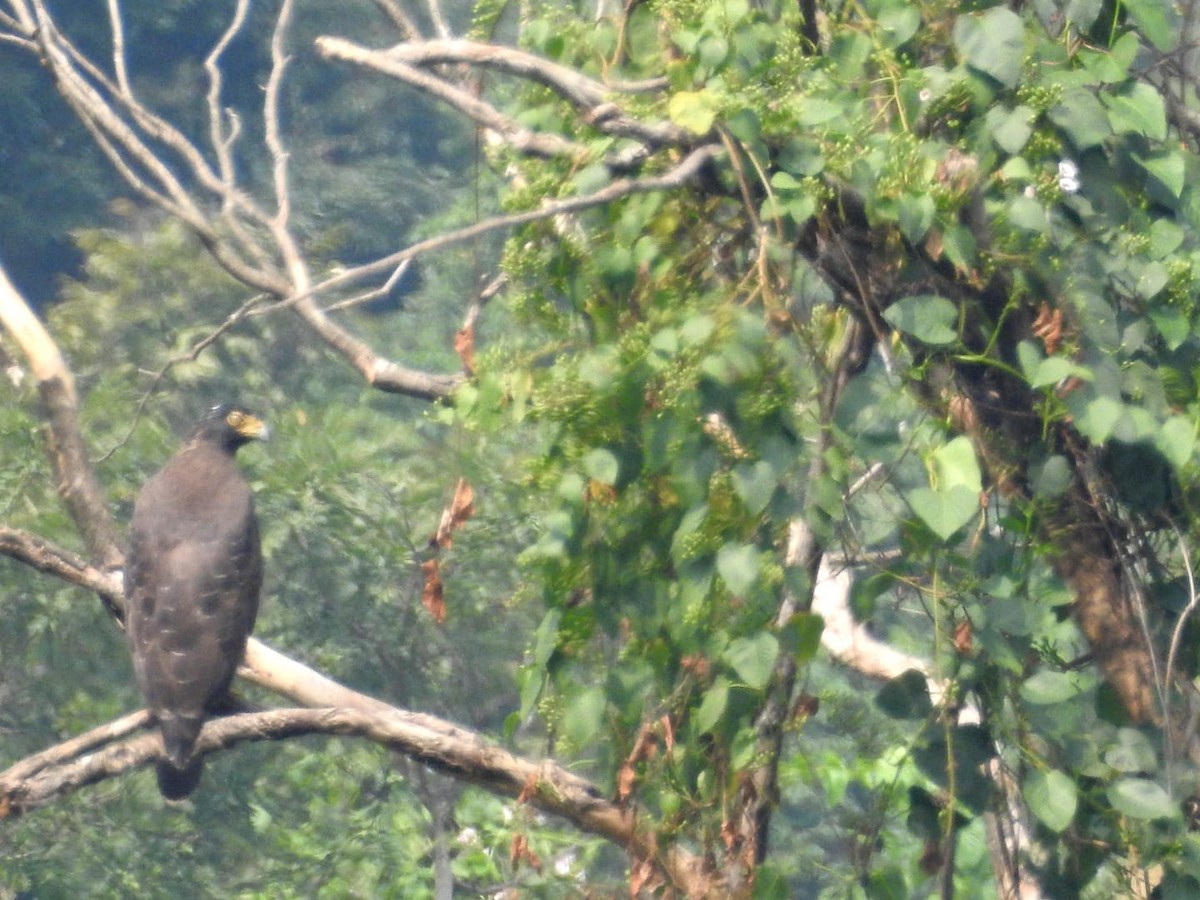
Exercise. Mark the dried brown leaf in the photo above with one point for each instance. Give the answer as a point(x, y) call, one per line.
point(1049, 327)
point(668, 732)
point(528, 790)
point(641, 877)
point(805, 707)
point(432, 595)
point(464, 346)
point(626, 776)
point(519, 852)
point(454, 516)
point(963, 638)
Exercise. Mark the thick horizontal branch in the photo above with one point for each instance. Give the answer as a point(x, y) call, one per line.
point(51, 559)
point(567, 82)
point(39, 780)
point(466, 102)
point(65, 753)
point(461, 754)
point(592, 99)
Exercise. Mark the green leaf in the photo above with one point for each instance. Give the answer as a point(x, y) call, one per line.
point(944, 511)
point(1052, 798)
point(601, 465)
point(1141, 798)
point(1099, 419)
point(584, 715)
point(1176, 440)
point(785, 181)
point(1053, 369)
point(712, 707)
point(696, 330)
point(712, 51)
point(915, 216)
point(1131, 752)
point(737, 564)
point(930, 319)
point(1082, 118)
point(1152, 21)
point(1165, 238)
point(1048, 687)
point(753, 658)
point(955, 464)
point(1082, 13)
point(755, 484)
point(545, 640)
point(801, 156)
point(818, 111)
point(801, 636)
point(642, 35)
point(769, 884)
point(1010, 129)
point(897, 24)
point(1138, 109)
point(906, 696)
point(958, 243)
point(1166, 168)
point(1028, 214)
point(1172, 323)
point(993, 43)
point(694, 110)
point(1052, 478)
point(1151, 280)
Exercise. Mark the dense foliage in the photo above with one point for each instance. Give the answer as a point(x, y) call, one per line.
point(919, 342)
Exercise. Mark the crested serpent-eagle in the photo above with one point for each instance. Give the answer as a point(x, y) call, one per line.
point(192, 580)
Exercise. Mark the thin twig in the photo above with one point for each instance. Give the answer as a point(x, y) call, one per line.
point(1176, 637)
point(382, 291)
point(118, 41)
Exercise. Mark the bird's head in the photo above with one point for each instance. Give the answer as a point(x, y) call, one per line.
point(230, 426)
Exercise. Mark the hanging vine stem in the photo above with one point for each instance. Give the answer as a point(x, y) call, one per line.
point(1173, 742)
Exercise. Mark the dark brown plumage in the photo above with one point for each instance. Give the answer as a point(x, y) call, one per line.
point(192, 581)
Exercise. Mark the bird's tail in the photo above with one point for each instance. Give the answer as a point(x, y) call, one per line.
point(175, 784)
point(179, 770)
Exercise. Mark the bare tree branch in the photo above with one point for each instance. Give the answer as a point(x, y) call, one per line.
point(77, 483)
point(482, 113)
point(404, 23)
point(255, 248)
point(590, 98)
point(569, 83)
point(57, 771)
point(50, 559)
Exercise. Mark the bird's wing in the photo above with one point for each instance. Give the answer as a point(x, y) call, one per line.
point(192, 605)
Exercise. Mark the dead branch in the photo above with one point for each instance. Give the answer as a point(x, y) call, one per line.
point(463, 755)
point(50, 559)
point(569, 83)
point(591, 99)
point(77, 483)
point(404, 23)
point(255, 247)
point(479, 111)
point(61, 754)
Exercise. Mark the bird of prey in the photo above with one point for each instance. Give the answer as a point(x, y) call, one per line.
point(193, 574)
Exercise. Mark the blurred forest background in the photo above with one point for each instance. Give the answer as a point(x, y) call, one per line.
point(828, 400)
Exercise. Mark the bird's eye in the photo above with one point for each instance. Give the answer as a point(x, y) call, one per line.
point(235, 419)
